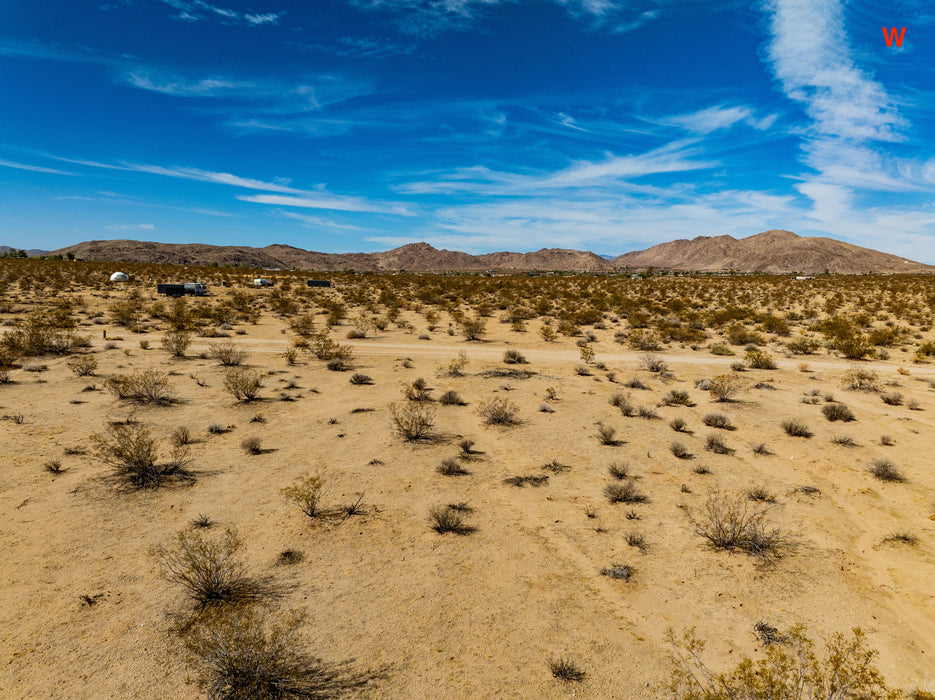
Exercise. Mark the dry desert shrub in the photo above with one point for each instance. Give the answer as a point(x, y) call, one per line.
point(885, 470)
point(129, 449)
point(725, 387)
point(680, 451)
point(499, 411)
point(514, 357)
point(83, 365)
point(455, 367)
point(473, 328)
point(444, 519)
point(243, 654)
point(789, 668)
point(859, 379)
point(242, 384)
point(210, 570)
point(796, 427)
point(759, 359)
point(227, 354)
point(837, 411)
point(413, 420)
point(359, 379)
point(176, 342)
point(418, 390)
point(566, 670)
point(652, 362)
point(451, 467)
point(252, 445)
point(731, 523)
point(306, 492)
point(621, 572)
point(624, 492)
point(715, 443)
point(717, 420)
point(892, 398)
point(148, 386)
point(677, 397)
point(451, 398)
point(606, 435)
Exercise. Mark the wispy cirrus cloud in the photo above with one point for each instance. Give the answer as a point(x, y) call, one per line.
point(717, 117)
point(198, 10)
point(323, 200)
point(32, 168)
point(131, 227)
point(853, 121)
point(430, 17)
point(285, 195)
point(612, 171)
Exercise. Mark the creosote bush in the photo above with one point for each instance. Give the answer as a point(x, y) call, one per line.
point(149, 386)
point(252, 445)
point(129, 449)
point(227, 354)
point(885, 470)
point(837, 411)
point(83, 365)
point(796, 428)
point(717, 420)
point(244, 654)
point(413, 420)
point(177, 342)
point(788, 669)
point(731, 523)
point(209, 568)
point(306, 492)
point(444, 519)
point(242, 384)
point(725, 387)
point(624, 492)
point(499, 411)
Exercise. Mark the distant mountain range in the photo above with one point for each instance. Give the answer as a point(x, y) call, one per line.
point(32, 252)
point(772, 251)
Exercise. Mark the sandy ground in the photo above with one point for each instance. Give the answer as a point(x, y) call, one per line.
point(480, 615)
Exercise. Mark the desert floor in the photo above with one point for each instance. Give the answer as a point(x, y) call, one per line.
point(476, 615)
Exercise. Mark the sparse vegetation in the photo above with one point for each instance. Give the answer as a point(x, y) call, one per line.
point(413, 420)
point(789, 668)
point(499, 411)
point(306, 492)
point(795, 427)
point(244, 385)
point(885, 470)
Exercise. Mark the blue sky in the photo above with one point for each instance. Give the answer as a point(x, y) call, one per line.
point(477, 125)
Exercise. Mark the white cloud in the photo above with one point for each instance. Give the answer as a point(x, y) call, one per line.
point(197, 10)
point(32, 168)
point(847, 108)
point(719, 117)
point(328, 201)
point(131, 227)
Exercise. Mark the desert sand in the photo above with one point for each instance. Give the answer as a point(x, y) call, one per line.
point(87, 611)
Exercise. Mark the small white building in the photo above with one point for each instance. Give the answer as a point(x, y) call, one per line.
point(120, 277)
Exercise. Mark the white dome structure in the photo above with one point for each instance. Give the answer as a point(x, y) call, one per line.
point(119, 277)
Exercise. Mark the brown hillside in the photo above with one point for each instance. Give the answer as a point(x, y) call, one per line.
point(771, 251)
